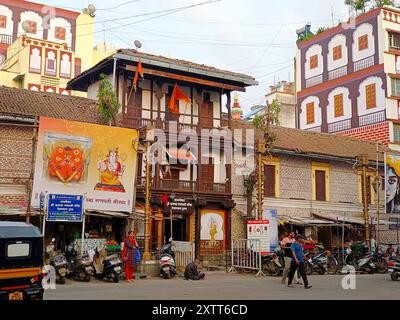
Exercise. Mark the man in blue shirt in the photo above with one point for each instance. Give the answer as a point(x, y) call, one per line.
point(298, 262)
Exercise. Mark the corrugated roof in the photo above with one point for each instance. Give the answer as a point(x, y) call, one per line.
point(308, 142)
point(29, 104)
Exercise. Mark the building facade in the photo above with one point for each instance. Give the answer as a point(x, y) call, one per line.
point(197, 173)
point(43, 47)
point(310, 181)
point(347, 78)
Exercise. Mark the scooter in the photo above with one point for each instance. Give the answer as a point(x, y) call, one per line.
point(167, 261)
point(57, 261)
point(273, 264)
point(394, 268)
point(107, 267)
point(380, 262)
point(364, 264)
point(79, 268)
point(321, 263)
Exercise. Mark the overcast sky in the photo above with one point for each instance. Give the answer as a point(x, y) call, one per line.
point(256, 37)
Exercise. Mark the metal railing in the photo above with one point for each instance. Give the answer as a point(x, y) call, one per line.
point(372, 118)
point(246, 254)
point(5, 38)
point(364, 63)
point(337, 73)
point(339, 126)
point(314, 81)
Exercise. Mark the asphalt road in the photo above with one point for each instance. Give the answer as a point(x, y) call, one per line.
point(228, 286)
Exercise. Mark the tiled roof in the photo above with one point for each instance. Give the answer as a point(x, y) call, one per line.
point(314, 143)
point(29, 104)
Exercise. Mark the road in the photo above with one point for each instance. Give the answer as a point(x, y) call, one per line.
point(227, 286)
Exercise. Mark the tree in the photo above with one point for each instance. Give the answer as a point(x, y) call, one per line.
point(360, 6)
point(380, 3)
point(108, 101)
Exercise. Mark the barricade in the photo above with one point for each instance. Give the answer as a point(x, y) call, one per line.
point(246, 254)
point(184, 254)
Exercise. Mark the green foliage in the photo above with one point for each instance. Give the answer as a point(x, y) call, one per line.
point(379, 3)
point(108, 101)
point(321, 29)
point(306, 37)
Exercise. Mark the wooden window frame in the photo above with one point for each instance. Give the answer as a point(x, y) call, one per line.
point(3, 21)
point(32, 25)
point(276, 163)
point(338, 114)
point(363, 42)
point(58, 31)
point(337, 52)
point(368, 104)
point(309, 105)
point(314, 62)
point(317, 166)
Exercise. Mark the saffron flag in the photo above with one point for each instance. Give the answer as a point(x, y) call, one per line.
point(177, 94)
point(139, 71)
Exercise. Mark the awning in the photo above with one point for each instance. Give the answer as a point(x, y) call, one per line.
point(350, 219)
point(308, 221)
point(107, 214)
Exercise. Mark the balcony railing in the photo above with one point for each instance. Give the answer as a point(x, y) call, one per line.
point(337, 73)
point(213, 187)
point(364, 63)
point(314, 81)
point(372, 118)
point(177, 184)
point(339, 126)
point(5, 38)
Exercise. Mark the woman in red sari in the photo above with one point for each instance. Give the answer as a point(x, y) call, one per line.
point(128, 255)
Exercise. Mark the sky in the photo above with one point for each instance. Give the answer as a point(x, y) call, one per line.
point(255, 37)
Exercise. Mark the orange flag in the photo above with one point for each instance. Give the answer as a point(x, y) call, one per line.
point(139, 70)
point(177, 94)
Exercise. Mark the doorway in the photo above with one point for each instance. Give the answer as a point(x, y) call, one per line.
point(180, 229)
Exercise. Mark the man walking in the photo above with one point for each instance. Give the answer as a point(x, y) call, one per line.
point(285, 245)
point(298, 262)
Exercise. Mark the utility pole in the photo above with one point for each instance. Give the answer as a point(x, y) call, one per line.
point(260, 151)
point(363, 167)
point(377, 184)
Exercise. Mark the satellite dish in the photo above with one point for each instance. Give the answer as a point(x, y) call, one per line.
point(26, 27)
point(138, 44)
point(90, 10)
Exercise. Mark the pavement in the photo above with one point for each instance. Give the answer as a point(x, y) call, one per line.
point(229, 286)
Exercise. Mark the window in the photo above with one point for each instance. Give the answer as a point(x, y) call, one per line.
point(18, 250)
point(3, 21)
point(363, 42)
point(77, 68)
point(314, 61)
point(269, 181)
point(338, 102)
point(59, 33)
point(320, 181)
point(35, 59)
point(396, 132)
point(65, 64)
point(370, 92)
point(310, 113)
point(337, 53)
point(32, 26)
point(395, 87)
point(394, 40)
point(51, 62)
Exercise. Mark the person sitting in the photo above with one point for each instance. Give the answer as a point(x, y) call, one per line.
point(191, 272)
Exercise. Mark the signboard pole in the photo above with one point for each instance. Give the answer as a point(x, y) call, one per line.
point(83, 226)
point(44, 217)
point(170, 221)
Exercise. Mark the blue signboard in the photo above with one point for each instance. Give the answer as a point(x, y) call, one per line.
point(65, 208)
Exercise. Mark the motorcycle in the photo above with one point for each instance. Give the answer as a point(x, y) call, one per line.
point(57, 261)
point(394, 268)
point(167, 261)
point(273, 264)
point(79, 268)
point(107, 267)
point(363, 264)
point(380, 262)
point(322, 263)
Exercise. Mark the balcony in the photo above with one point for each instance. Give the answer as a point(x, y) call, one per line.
point(178, 184)
point(337, 73)
point(364, 63)
point(372, 118)
point(6, 39)
point(339, 126)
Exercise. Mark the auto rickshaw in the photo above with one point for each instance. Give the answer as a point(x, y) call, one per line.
point(21, 261)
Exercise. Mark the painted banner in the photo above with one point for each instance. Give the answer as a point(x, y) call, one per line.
point(75, 158)
point(212, 232)
point(392, 186)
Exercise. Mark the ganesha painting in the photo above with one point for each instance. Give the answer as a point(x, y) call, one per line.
point(110, 172)
point(67, 158)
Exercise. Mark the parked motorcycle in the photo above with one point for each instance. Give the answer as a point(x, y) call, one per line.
point(321, 263)
point(273, 264)
point(167, 261)
point(394, 268)
point(107, 267)
point(57, 261)
point(79, 268)
point(363, 264)
point(378, 258)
